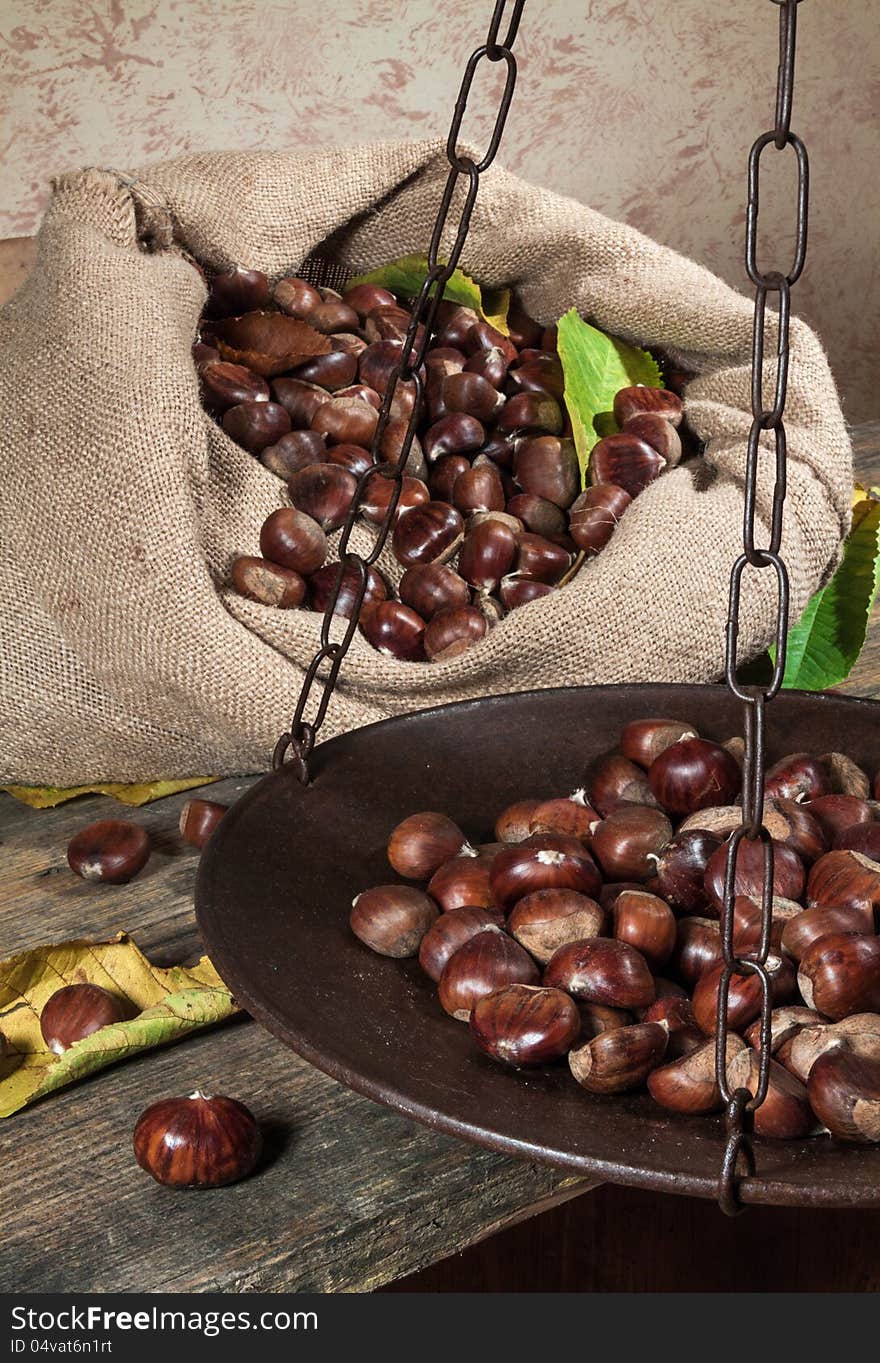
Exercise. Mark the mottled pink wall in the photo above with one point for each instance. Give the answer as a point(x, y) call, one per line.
point(644, 109)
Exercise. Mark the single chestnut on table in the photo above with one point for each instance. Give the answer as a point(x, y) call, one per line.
point(77, 1011)
point(198, 819)
point(112, 850)
point(200, 1141)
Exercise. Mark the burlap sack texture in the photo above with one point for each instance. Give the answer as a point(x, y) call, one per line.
point(124, 654)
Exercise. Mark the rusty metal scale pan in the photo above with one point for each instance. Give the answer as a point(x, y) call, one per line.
point(276, 882)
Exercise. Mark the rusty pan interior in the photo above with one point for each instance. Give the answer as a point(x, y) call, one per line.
point(276, 882)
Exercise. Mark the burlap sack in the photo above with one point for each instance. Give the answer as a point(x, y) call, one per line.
point(124, 654)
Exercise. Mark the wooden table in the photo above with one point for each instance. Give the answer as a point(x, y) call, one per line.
point(353, 1196)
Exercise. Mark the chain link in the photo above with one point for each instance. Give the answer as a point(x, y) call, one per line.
point(300, 738)
point(741, 1103)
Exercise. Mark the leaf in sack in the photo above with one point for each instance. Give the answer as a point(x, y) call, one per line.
point(269, 343)
point(596, 366)
point(138, 793)
point(824, 645)
point(406, 276)
point(165, 1006)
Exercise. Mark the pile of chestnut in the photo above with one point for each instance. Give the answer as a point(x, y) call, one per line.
point(491, 512)
point(590, 929)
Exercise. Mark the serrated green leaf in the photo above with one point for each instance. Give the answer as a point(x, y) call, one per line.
point(165, 1006)
point(406, 276)
point(596, 366)
point(824, 645)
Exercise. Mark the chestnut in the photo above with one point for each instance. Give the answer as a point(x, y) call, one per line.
point(226, 385)
point(422, 843)
point(568, 815)
point(113, 850)
point(299, 399)
point(843, 878)
point(859, 1034)
point(202, 1141)
point(431, 587)
point(625, 461)
point(541, 374)
point(491, 365)
point(454, 322)
point(545, 920)
point(443, 475)
point(377, 363)
point(389, 322)
point(788, 873)
point(514, 823)
point(333, 371)
point(794, 825)
point(294, 451)
point(346, 421)
point(747, 921)
point(629, 840)
point(620, 1059)
point(76, 1011)
point(294, 540)
point(744, 996)
point(455, 433)
point(602, 970)
point(805, 928)
point(204, 354)
point(785, 1024)
point(449, 932)
point(364, 298)
point(545, 861)
point(453, 631)
point(596, 1018)
point(540, 559)
point(797, 777)
point(538, 516)
point(429, 533)
point(296, 297)
point(692, 774)
point(333, 315)
point(268, 583)
point(394, 630)
point(479, 489)
point(697, 949)
point(643, 740)
point(483, 336)
point(515, 591)
point(392, 919)
point(486, 963)
point(840, 974)
point(547, 466)
point(463, 882)
point(863, 838)
point(688, 1084)
point(236, 291)
point(256, 424)
point(323, 583)
point(379, 491)
point(657, 432)
point(681, 870)
point(537, 412)
point(845, 776)
point(634, 401)
point(646, 923)
point(323, 491)
point(674, 1014)
point(471, 394)
point(838, 813)
point(844, 1092)
point(785, 1114)
point(524, 1024)
point(198, 819)
point(613, 780)
point(487, 554)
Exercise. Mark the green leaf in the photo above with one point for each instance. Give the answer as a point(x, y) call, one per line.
point(406, 276)
point(824, 645)
point(165, 1005)
point(596, 366)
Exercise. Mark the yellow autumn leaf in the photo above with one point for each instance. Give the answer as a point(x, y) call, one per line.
point(165, 1005)
point(138, 793)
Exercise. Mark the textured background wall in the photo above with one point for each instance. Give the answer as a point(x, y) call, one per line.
point(644, 109)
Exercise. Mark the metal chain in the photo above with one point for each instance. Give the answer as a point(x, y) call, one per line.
point(741, 1103)
point(300, 738)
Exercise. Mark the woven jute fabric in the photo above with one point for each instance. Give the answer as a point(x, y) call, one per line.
point(126, 656)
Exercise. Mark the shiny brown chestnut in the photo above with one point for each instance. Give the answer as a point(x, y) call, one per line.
point(547, 466)
point(431, 587)
point(620, 1059)
point(843, 878)
point(453, 631)
point(296, 297)
point(392, 919)
point(602, 970)
point(545, 861)
point(487, 554)
point(202, 1141)
point(294, 451)
point(788, 873)
point(112, 850)
point(840, 974)
point(379, 490)
point(542, 374)
point(491, 365)
point(540, 559)
point(795, 826)
point(538, 516)
point(744, 997)
point(646, 923)
point(863, 838)
point(634, 401)
point(799, 776)
point(293, 539)
point(800, 932)
point(479, 489)
point(785, 1023)
point(334, 371)
point(837, 813)
point(235, 291)
point(681, 870)
point(463, 882)
point(844, 1092)
point(692, 774)
point(363, 298)
point(449, 932)
point(613, 780)
point(657, 432)
point(299, 399)
point(688, 1084)
point(785, 1114)
point(324, 492)
point(674, 1014)
point(389, 322)
point(515, 591)
point(470, 393)
point(422, 843)
point(546, 920)
point(596, 1018)
point(747, 921)
point(514, 823)
point(377, 363)
point(859, 1033)
point(629, 840)
point(568, 814)
point(455, 433)
point(254, 425)
point(225, 385)
point(845, 776)
point(524, 1024)
point(346, 421)
point(531, 412)
point(483, 336)
point(485, 963)
point(394, 630)
point(270, 584)
point(198, 819)
point(442, 477)
point(643, 740)
point(428, 533)
point(333, 315)
point(322, 584)
point(625, 461)
point(77, 1011)
point(697, 949)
